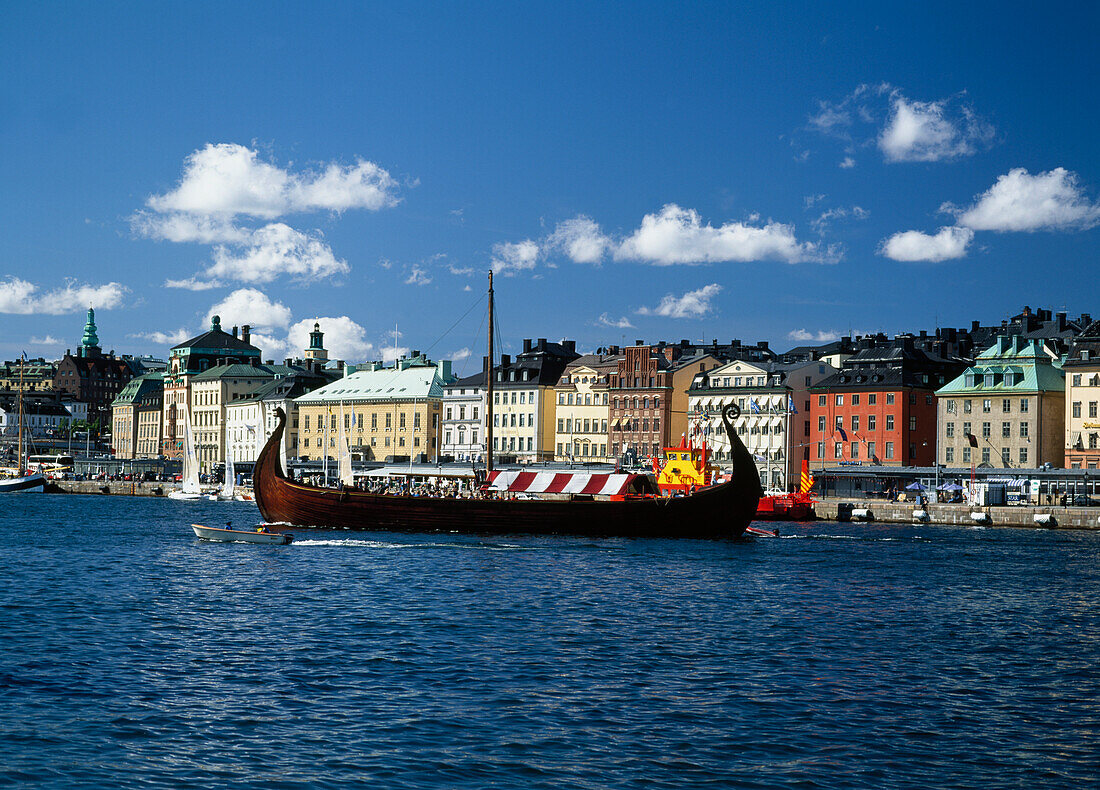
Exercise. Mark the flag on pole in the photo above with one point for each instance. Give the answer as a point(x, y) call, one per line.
point(843, 435)
point(790, 402)
point(754, 406)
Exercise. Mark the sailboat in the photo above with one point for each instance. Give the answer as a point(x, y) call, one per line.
point(226, 492)
point(590, 504)
point(22, 482)
point(190, 488)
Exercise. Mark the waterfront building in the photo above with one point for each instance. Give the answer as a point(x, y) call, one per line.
point(189, 359)
point(32, 375)
point(582, 416)
point(1007, 410)
point(148, 408)
point(524, 400)
point(464, 419)
point(92, 376)
point(126, 423)
point(43, 418)
point(211, 392)
point(1082, 407)
point(775, 420)
point(251, 419)
point(880, 407)
point(388, 413)
point(648, 395)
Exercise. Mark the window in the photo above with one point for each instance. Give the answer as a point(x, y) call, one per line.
point(821, 423)
point(305, 423)
point(967, 407)
point(1077, 379)
point(871, 450)
point(1092, 441)
point(1023, 430)
point(855, 422)
point(1077, 408)
point(872, 398)
point(1006, 405)
point(889, 399)
point(987, 405)
point(949, 455)
point(871, 422)
point(889, 422)
point(889, 449)
point(986, 430)
point(838, 450)
point(966, 455)
point(912, 423)
point(821, 450)
point(912, 450)
point(1023, 455)
point(1006, 430)
point(985, 455)
point(839, 424)
point(820, 400)
point(855, 398)
point(855, 450)
point(448, 413)
point(1024, 405)
point(966, 429)
point(1006, 456)
point(949, 430)
point(1092, 408)
point(839, 400)
point(560, 430)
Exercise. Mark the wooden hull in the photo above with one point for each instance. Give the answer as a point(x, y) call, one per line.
point(717, 512)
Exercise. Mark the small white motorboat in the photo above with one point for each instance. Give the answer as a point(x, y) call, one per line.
point(229, 535)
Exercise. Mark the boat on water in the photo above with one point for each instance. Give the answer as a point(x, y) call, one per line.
point(718, 511)
point(190, 490)
point(23, 481)
point(229, 535)
point(227, 493)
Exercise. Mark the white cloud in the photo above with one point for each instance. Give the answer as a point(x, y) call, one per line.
point(275, 250)
point(912, 245)
point(227, 179)
point(825, 219)
point(847, 163)
point(822, 336)
point(392, 353)
point(461, 354)
point(1018, 201)
point(580, 239)
point(418, 276)
point(249, 306)
point(605, 319)
point(22, 297)
point(693, 304)
point(193, 284)
point(181, 228)
point(343, 338)
point(461, 271)
point(48, 340)
point(512, 257)
point(922, 132)
point(165, 338)
point(677, 235)
point(273, 348)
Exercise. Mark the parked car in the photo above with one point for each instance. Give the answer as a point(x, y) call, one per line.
point(1082, 500)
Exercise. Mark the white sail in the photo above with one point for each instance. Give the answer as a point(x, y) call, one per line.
point(190, 459)
point(230, 475)
point(346, 476)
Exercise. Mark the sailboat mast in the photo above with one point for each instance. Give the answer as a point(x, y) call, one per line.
point(489, 389)
point(19, 450)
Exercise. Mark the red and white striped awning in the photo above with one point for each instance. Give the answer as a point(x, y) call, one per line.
point(561, 482)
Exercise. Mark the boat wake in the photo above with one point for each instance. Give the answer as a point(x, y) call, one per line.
point(383, 544)
point(865, 538)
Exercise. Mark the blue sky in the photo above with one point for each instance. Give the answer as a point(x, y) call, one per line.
point(633, 171)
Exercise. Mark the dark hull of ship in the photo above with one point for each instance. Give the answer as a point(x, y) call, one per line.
point(717, 512)
point(28, 484)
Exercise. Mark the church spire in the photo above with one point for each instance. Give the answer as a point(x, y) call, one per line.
point(89, 345)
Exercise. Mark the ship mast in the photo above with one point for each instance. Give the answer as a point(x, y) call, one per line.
point(19, 459)
point(489, 389)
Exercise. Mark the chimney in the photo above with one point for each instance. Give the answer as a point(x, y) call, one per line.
point(287, 361)
point(246, 332)
point(234, 331)
point(1061, 318)
point(270, 362)
point(570, 346)
point(526, 344)
point(542, 344)
point(637, 342)
point(975, 326)
point(506, 359)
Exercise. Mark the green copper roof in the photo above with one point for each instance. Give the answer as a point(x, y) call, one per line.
point(90, 338)
point(1012, 364)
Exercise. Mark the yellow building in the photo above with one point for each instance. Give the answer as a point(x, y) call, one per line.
point(126, 414)
point(582, 411)
point(387, 413)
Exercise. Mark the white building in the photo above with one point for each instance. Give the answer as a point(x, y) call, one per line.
point(250, 421)
point(774, 398)
point(464, 419)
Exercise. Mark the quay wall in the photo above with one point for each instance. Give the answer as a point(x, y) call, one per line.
point(959, 514)
point(107, 488)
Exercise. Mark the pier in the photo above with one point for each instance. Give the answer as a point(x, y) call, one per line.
point(960, 514)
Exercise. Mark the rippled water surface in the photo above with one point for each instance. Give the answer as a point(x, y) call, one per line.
point(841, 655)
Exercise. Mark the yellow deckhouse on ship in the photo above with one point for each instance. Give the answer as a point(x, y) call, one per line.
point(684, 468)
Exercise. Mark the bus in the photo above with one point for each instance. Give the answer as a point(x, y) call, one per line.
point(50, 465)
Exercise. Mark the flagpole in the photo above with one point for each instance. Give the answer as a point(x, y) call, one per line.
point(787, 452)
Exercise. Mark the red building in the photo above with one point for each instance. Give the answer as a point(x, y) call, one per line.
point(880, 408)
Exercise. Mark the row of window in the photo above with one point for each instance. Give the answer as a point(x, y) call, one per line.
point(589, 399)
point(355, 421)
point(987, 430)
point(578, 425)
point(1077, 408)
point(872, 423)
point(461, 437)
point(872, 399)
point(987, 406)
point(513, 444)
point(967, 456)
point(524, 397)
point(462, 413)
point(583, 450)
point(634, 403)
point(1094, 381)
point(639, 424)
point(319, 443)
point(503, 421)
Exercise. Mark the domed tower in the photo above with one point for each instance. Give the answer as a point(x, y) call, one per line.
point(316, 350)
point(89, 344)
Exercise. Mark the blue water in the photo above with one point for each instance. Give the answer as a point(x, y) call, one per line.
point(843, 655)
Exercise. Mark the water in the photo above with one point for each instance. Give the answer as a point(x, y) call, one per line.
point(842, 655)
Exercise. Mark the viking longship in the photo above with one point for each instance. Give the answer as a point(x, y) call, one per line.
point(623, 505)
